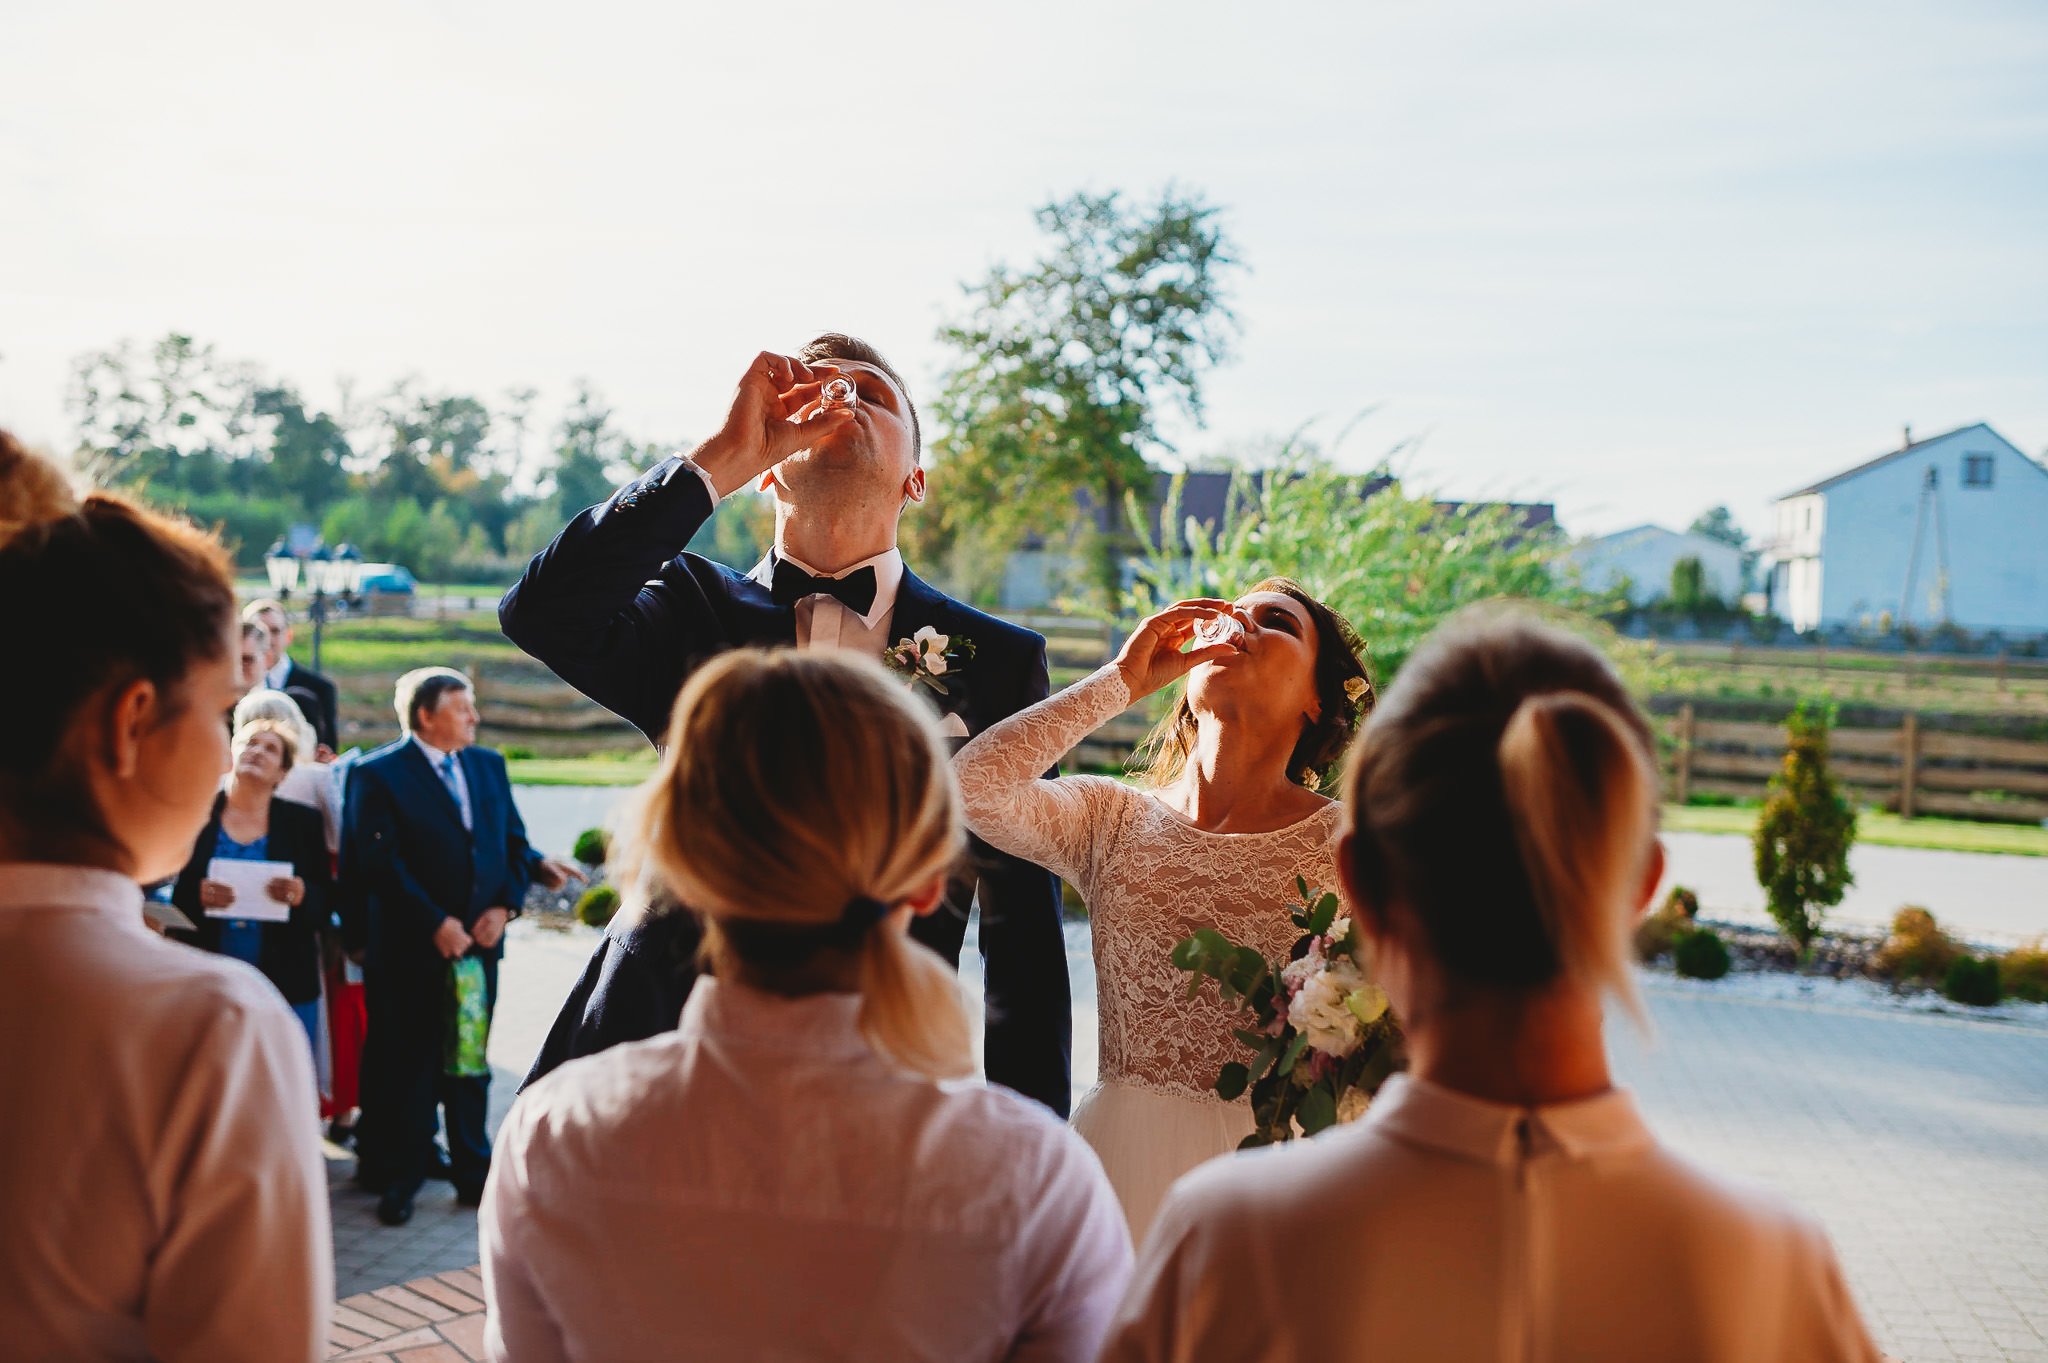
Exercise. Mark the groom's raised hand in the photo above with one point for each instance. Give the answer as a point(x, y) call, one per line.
point(774, 414)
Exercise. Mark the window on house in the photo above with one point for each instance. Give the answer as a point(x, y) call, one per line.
point(1976, 470)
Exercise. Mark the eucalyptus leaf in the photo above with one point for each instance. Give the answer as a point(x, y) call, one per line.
point(1318, 1109)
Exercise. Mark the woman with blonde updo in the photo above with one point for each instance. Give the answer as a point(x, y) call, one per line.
point(1504, 1199)
point(797, 1170)
point(160, 1180)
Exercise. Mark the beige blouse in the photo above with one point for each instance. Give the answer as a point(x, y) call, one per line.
point(162, 1194)
point(1441, 1226)
point(760, 1184)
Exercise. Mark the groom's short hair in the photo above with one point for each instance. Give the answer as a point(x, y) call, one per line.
point(837, 345)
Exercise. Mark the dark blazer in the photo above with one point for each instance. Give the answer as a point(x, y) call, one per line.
point(620, 615)
point(290, 956)
point(324, 722)
point(410, 863)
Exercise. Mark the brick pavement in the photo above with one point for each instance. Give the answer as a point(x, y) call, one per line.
point(1921, 1142)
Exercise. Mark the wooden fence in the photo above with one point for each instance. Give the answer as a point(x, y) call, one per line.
point(1909, 770)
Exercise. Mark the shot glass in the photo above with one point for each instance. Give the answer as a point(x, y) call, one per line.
point(1222, 628)
point(838, 392)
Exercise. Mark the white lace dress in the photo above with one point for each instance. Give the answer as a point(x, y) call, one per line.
point(1150, 877)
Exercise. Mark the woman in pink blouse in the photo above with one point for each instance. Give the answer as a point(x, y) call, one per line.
point(1503, 1200)
point(801, 1169)
point(162, 1194)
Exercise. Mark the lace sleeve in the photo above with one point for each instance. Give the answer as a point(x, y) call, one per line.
point(1052, 822)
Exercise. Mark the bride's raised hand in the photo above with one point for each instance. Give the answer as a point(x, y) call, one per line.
point(1152, 656)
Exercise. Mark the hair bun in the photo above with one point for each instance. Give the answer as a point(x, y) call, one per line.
point(33, 490)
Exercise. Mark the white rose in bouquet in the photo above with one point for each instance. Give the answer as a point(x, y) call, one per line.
point(1320, 1008)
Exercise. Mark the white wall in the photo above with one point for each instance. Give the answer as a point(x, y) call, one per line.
point(1646, 555)
point(1997, 540)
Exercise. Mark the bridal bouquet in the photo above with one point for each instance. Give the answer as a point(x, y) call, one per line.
point(1321, 1036)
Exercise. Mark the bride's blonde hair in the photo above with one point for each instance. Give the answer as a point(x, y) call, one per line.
point(801, 798)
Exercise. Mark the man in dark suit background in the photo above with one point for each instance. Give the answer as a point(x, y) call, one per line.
point(437, 857)
point(281, 672)
point(618, 612)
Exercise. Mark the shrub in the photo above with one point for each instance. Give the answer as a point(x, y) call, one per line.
point(2023, 972)
point(593, 845)
point(1700, 954)
point(1659, 930)
point(1972, 980)
point(597, 905)
point(517, 752)
point(1917, 948)
point(1803, 838)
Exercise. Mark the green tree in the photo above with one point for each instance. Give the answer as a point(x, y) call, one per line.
point(1063, 370)
point(1392, 559)
point(592, 455)
point(1688, 584)
point(1806, 830)
point(1718, 523)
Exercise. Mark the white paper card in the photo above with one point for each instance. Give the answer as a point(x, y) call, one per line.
point(250, 880)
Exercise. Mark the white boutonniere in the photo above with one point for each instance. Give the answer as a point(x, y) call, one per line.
point(927, 656)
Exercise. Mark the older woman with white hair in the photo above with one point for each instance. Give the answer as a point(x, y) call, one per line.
point(308, 782)
point(274, 926)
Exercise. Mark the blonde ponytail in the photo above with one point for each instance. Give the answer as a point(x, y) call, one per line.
point(1581, 798)
point(1503, 793)
point(801, 799)
point(910, 1008)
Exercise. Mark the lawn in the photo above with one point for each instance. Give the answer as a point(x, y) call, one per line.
point(1879, 829)
point(580, 771)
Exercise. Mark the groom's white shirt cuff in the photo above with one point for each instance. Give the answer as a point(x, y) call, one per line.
point(693, 466)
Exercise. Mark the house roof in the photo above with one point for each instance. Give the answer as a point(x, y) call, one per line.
point(1824, 484)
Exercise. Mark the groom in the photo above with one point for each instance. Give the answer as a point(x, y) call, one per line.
point(618, 612)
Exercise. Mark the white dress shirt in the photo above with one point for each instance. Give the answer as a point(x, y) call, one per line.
point(760, 1184)
point(825, 621)
point(274, 678)
point(162, 1193)
point(1442, 1226)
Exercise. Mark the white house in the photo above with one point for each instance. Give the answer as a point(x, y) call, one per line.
point(1948, 530)
point(1644, 556)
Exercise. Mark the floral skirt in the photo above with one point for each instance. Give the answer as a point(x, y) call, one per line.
point(1146, 1139)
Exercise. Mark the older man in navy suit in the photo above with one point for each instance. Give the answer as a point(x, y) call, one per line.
point(617, 611)
point(437, 855)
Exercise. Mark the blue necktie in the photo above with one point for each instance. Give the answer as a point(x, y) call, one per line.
point(454, 786)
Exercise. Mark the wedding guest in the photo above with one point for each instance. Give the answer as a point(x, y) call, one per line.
point(1505, 1199)
point(254, 649)
point(282, 672)
point(440, 857)
point(251, 822)
point(799, 1170)
point(161, 1187)
point(309, 781)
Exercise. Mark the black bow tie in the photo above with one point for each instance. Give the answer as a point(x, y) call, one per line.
point(855, 591)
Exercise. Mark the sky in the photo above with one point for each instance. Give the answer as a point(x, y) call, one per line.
point(1634, 259)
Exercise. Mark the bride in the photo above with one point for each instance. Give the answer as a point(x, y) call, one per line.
point(1224, 817)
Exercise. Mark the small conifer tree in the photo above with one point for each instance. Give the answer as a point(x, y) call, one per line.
point(1807, 828)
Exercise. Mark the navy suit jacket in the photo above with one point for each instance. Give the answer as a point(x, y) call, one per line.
point(324, 723)
point(410, 863)
point(616, 612)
